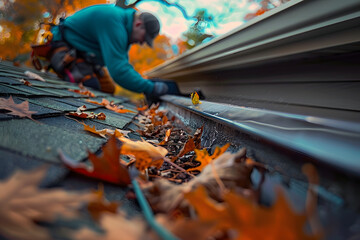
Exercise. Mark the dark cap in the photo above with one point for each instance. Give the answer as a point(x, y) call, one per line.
point(152, 27)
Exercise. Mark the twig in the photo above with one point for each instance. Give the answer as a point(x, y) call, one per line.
point(178, 167)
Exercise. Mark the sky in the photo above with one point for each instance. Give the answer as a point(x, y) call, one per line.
point(228, 14)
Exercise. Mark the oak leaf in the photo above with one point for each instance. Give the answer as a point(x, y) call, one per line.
point(20, 110)
point(146, 154)
point(22, 204)
point(204, 158)
point(232, 169)
point(106, 167)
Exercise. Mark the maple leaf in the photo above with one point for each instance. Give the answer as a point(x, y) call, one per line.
point(203, 157)
point(232, 169)
point(106, 132)
point(250, 220)
point(111, 106)
point(195, 99)
point(22, 204)
point(107, 167)
point(146, 155)
point(20, 110)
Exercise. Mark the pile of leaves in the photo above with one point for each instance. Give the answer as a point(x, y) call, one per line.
point(192, 193)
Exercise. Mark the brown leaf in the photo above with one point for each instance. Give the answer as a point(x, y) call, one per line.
point(100, 205)
point(107, 167)
point(20, 110)
point(231, 169)
point(146, 155)
point(80, 113)
point(84, 92)
point(22, 203)
point(115, 227)
point(203, 157)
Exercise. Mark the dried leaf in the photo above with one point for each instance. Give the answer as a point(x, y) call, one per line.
point(166, 138)
point(107, 167)
point(22, 204)
point(100, 205)
point(146, 154)
point(25, 82)
point(143, 108)
point(34, 76)
point(232, 169)
point(20, 110)
point(195, 98)
point(84, 92)
point(104, 102)
point(115, 227)
point(203, 157)
point(80, 113)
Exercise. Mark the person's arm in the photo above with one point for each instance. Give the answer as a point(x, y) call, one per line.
point(113, 44)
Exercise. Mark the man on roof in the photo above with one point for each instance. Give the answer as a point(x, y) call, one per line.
point(99, 36)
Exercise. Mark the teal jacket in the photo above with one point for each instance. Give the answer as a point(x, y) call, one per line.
point(105, 30)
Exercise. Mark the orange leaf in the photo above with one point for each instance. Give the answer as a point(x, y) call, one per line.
point(143, 108)
point(80, 113)
point(250, 220)
point(203, 157)
point(195, 98)
point(20, 110)
point(104, 102)
point(166, 138)
point(82, 92)
point(101, 205)
point(146, 155)
point(107, 167)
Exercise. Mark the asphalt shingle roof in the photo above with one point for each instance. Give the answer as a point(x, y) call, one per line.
point(27, 144)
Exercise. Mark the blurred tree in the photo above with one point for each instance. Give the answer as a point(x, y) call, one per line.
point(264, 6)
point(196, 33)
point(20, 22)
point(143, 58)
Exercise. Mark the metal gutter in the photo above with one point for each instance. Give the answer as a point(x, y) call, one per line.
point(293, 28)
point(330, 142)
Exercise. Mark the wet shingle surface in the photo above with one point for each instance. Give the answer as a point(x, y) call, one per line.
point(29, 143)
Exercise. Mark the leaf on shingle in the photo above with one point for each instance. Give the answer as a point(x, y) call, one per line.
point(146, 155)
point(34, 76)
point(106, 167)
point(81, 113)
point(20, 110)
point(22, 204)
point(84, 92)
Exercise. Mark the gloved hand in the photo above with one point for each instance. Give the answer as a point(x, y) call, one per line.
point(160, 89)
